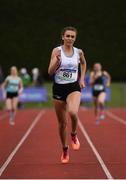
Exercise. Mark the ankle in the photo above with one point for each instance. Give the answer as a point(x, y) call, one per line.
point(65, 148)
point(73, 134)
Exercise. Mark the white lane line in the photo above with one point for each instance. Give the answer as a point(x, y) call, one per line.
point(10, 157)
point(104, 167)
point(115, 117)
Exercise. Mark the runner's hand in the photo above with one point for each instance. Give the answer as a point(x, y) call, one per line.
point(82, 84)
point(58, 58)
point(58, 54)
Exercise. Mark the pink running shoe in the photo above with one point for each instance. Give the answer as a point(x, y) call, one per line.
point(75, 142)
point(102, 115)
point(65, 155)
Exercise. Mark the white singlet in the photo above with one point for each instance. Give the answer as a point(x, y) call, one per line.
point(68, 70)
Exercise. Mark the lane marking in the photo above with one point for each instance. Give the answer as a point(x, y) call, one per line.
point(116, 118)
point(10, 157)
point(104, 167)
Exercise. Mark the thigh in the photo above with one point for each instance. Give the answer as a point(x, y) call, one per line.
point(73, 101)
point(8, 103)
point(101, 97)
point(14, 102)
point(60, 108)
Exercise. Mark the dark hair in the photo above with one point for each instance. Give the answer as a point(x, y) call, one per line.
point(67, 29)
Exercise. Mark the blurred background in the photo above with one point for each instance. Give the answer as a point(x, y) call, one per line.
point(29, 30)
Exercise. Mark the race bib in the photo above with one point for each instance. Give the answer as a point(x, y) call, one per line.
point(98, 87)
point(67, 75)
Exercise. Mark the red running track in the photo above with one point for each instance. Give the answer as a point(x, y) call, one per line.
point(31, 149)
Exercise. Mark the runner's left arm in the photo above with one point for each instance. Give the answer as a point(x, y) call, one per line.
point(107, 75)
point(82, 68)
point(20, 86)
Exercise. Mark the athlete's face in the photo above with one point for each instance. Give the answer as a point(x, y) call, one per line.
point(69, 37)
point(97, 67)
point(13, 71)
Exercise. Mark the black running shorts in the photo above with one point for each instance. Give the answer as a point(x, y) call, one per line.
point(61, 91)
point(96, 93)
point(12, 95)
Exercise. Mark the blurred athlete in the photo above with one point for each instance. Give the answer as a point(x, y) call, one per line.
point(67, 86)
point(99, 79)
point(12, 87)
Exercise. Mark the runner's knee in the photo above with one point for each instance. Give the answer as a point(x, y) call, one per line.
point(62, 125)
point(72, 112)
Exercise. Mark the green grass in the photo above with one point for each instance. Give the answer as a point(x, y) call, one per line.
point(118, 97)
